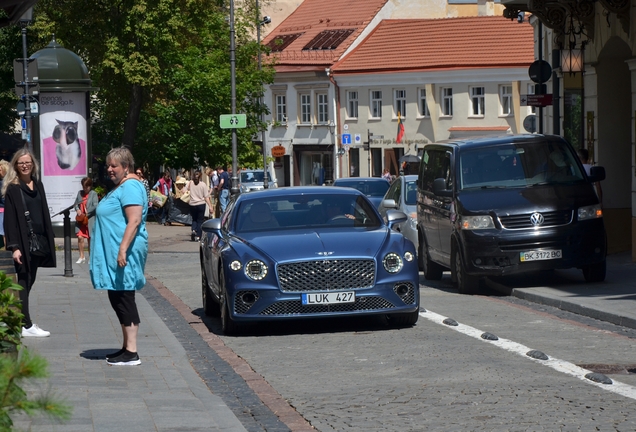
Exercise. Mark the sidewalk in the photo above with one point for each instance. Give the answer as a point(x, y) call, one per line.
point(163, 393)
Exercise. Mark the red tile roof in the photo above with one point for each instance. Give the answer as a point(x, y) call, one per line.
point(442, 44)
point(315, 16)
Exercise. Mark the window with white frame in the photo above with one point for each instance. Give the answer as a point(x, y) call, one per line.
point(305, 108)
point(280, 108)
point(376, 104)
point(322, 104)
point(424, 112)
point(352, 104)
point(447, 101)
point(531, 92)
point(477, 100)
point(400, 102)
point(505, 99)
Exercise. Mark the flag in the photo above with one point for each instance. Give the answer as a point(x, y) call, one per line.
point(400, 131)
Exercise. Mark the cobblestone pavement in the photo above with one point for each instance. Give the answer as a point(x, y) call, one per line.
point(360, 375)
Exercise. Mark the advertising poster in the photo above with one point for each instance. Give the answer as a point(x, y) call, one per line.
point(63, 156)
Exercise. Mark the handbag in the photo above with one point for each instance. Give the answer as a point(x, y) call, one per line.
point(83, 218)
point(38, 243)
point(157, 198)
point(185, 197)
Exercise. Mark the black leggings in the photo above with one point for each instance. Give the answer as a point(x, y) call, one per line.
point(123, 303)
point(26, 280)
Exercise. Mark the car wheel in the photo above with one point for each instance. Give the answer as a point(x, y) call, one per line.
point(403, 320)
point(210, 306)
point(595, 272)
point(466, 284)
point(228, 325)
point(432, 270)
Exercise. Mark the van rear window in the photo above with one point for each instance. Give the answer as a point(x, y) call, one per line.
point(518, 165)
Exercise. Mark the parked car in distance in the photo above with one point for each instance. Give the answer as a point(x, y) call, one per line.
point(252, 180)
point(402, 195)
point(495, 206)
point(373, 187)
point(306, 252)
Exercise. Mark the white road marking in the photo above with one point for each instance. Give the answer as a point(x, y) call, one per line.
point(517, 348)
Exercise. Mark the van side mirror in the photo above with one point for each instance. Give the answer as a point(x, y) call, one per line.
point(440, 188)
point(597, 174)
point(389, 203)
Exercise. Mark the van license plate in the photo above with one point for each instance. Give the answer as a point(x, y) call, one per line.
point(310, 299)
point(540, 255)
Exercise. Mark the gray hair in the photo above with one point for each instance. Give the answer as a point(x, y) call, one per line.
point(121, 155)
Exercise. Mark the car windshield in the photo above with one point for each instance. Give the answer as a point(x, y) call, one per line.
point(305, 212)
point(518, 165)
point(371, 188)
point(253, 177)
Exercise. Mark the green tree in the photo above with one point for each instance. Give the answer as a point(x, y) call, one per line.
point(163, 70)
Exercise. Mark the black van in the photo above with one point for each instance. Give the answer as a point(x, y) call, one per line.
point(496, 206)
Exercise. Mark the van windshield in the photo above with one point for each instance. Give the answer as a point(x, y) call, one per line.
point(518, 165)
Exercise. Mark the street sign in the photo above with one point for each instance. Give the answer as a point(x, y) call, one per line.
point(536, 100)
point(345, 126)
point(357, 138)
point(376, 137)
point(233, 121)
point(34, 89)
point(530, 123)
point(540, 71)
point(345, 139)
point(33, 105)
point(18, 70)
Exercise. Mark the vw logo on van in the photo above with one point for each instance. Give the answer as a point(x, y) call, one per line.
point(537, 219)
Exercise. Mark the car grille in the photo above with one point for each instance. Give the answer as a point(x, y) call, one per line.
point(240, 306)
point(409, 296)
point(522, 221)
point(295, 307)
point(326, 275)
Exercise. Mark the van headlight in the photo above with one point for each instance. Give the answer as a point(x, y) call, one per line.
point(476, 222)
point(590, 212)
point(392, 262)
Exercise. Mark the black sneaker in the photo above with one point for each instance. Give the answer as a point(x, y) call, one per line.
point(115, 354)
point(126, 358)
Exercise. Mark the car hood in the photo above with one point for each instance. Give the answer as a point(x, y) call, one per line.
point(525, 200)
point(326, 243)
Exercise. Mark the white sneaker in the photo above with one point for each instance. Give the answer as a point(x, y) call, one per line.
point(80, 261)
point(35, 331)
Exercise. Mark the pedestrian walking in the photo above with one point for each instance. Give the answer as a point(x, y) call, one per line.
point(119, 250)
point(85, 205)
point(4, 168)
point(224, 188)
point(26, 215)
point(164, 185)
point(199, 197)
point(144, 181)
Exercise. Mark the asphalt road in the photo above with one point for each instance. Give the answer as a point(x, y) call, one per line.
point(361, 375)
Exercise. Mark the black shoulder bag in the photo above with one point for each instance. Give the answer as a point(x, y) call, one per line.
point(38, 243)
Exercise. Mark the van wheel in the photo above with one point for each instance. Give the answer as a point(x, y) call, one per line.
point(432, 270)
point(595, 272)
point(466, 284)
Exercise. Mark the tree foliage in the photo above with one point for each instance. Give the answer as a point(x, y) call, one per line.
point(163, 72)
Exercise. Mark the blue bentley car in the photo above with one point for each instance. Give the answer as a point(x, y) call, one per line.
point(307, 252)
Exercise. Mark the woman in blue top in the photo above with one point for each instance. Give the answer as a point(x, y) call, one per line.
point(119, 248)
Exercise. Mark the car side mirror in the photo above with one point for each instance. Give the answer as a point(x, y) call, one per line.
point(597, 174)
point(212, 226)
point(389, 203)
point(440, 188)
point(395, 217)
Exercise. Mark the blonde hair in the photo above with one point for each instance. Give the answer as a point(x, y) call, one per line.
point(123, 156)
point(12, 176)
point(4, 167)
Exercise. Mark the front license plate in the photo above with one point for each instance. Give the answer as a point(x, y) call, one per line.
point(540, 255)
point(328, 298)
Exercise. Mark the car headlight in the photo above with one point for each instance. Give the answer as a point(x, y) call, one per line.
point(590, 212)
point(408, 256)
point(476, 222)
point(236, 265)
point(392, 262)
point(256, 270)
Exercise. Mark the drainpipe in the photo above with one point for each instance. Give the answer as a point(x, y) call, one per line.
point(336, 116)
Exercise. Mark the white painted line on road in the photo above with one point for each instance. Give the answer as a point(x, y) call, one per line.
point(517, 348)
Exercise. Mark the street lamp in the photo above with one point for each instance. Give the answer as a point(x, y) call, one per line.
point(25, 20)
point(332, 130)
point(265, 20)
